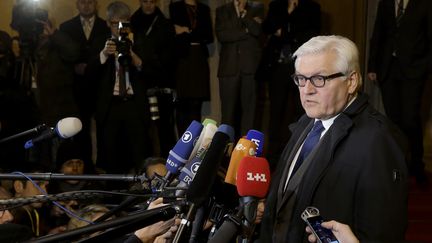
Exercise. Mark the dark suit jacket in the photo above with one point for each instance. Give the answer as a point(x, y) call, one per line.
point(105, 86)
point(412, 40)
point(203, 33)
point(241, 47)
point(296, 28)
point(55, 58)
point(94, 44)
point(155, 48)
point(351, 178)
point(83, 86)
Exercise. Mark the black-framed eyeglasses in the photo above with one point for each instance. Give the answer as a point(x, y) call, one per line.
point(316, 80)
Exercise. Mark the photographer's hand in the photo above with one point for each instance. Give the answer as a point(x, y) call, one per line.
point(48, 29)
point(136, 60)
point(110, 48)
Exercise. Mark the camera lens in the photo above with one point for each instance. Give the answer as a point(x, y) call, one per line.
point(154, 108)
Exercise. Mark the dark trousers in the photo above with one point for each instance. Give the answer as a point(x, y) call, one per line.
point(238, 102)
point(122, 138)
point(402, 97)
point(187, 110)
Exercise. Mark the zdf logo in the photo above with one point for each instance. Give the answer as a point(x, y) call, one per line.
point(260, 177)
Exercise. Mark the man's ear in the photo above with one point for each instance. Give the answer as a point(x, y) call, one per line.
point(18, 186)
point(353, 82)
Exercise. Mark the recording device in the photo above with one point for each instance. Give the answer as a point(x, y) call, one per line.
point(153, 103)
point(65, 128)
point(253, 181)
point(26, 19)
point(258, 138)
point(243, 148)
point(313, 219)
point(124, 44)
point(201, 186)
point(191, 167)
point(152, 96)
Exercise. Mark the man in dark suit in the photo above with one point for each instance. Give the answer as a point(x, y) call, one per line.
point(154, 43)
point(399, 61)
point(90, 32)
point(238, 28)
point(352, 168)
point(121, 105)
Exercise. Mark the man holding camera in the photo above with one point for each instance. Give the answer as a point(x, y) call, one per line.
point(121, 112)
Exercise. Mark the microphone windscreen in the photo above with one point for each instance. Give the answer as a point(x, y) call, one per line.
point(253, 177)
point(204, 139)
point(201, 186)
point(243, 148)
point(189, 171)
point(180, 153)
point(209, 121)
point(227, 129)
point(258, 138)
point(68, 127)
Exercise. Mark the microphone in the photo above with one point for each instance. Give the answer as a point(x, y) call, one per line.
point(253, 181)
point(258, 138)
point(189, 171)
point(243, 148)
point(201, 185)
point(180, 153)
point(205, 137)
point(65, 128)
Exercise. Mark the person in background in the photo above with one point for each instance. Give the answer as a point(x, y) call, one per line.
point(194, 31)
point(344, 157)
point(90, 32)
point(399, 62)
point(122, 113)
point(289, 24)
point(238, 29)
point(29, 214)
point(11, 232)
point(154, 43)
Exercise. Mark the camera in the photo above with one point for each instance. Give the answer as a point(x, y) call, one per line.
point(26, 18)
point(313, 219)
point(124, 43)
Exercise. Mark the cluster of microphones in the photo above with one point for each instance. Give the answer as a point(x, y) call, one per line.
point(224, 181)
point(220, 182)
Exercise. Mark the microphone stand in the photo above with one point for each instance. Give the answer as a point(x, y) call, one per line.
point(126, 225)
point(57, 176)
point(37, 129)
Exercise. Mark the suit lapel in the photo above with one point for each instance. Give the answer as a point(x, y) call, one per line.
point(79, 29)
point(301, 133)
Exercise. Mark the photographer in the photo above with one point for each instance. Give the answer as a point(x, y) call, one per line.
point(121, 109)
point(46, 65)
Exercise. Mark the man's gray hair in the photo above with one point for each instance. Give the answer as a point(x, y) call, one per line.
point(345, 50)
point(119, 10)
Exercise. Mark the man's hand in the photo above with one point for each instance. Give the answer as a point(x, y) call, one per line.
point(110, 48)
point(341, 231)
point(258, 20)
point(80, 68)
point(292, 5)
point(149, 233)
point(181, 29)
point(260, 211)
point(372, 77)
point(48, 29)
